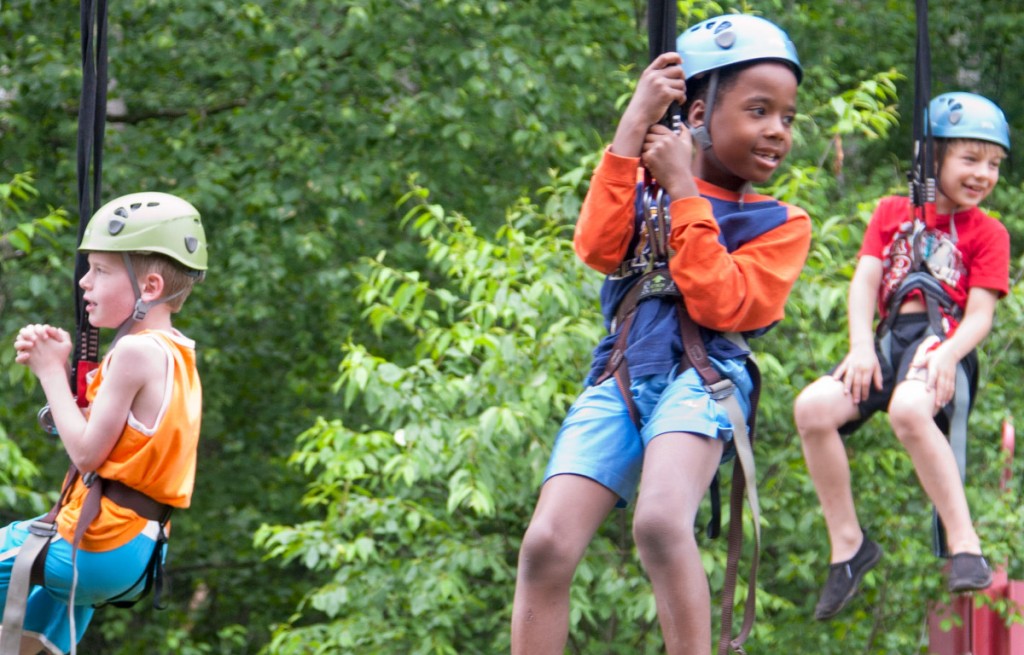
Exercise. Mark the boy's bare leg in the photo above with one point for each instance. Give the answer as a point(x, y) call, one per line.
point(910, 413)
point(677, 471)
point(568, 513)
point(820, 410)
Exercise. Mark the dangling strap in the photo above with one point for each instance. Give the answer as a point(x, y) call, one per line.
point(744, 478)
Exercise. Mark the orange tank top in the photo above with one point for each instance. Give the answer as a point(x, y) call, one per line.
point(159, 460)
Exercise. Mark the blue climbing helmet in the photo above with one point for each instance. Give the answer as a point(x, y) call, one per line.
point(733, 39)
point(962, 115)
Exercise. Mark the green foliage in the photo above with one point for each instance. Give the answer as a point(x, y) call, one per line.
point(422, 506)
point(27, 241)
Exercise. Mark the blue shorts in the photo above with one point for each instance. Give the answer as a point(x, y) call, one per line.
point(101, 576)
point(599, 440)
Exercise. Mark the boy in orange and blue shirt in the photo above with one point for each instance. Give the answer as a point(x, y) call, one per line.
point(137, 440)
point(733, 255)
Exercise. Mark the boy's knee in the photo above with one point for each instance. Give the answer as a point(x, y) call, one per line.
point(815, 407)
point(659, 534)
point(546, 554)
point(910, 412)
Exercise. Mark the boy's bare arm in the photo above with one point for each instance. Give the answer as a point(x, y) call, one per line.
point(134, 374)
point(860, 369)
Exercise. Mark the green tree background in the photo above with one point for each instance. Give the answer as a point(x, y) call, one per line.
point(394, 322)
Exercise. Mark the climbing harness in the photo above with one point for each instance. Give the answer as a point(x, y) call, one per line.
point(658, 284)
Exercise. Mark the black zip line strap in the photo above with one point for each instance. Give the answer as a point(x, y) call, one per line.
point(922, 171)
point(92, 117)
point(661, 38)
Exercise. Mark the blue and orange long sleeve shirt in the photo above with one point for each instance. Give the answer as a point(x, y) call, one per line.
point(734, 259)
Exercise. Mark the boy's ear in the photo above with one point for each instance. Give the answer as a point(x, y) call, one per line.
point(152, 286)
point(696, 115)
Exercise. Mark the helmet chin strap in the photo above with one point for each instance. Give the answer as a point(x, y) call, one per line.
point(702, 133)
point(142, 307)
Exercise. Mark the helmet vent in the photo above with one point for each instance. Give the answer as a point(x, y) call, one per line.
point(191, 244)
point(115, 226)
point(153, 204)
point(122, 212)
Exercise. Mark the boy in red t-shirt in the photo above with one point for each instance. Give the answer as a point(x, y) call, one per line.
point(936, 284)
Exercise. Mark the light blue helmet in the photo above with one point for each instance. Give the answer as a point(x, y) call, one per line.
point(733, 39)
point(962, 115)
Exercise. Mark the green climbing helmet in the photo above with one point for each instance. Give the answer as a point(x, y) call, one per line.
point(149, 222)
point(733, 39)
point(962, 115)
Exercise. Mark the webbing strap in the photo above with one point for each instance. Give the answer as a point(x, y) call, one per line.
point(957, 435)
point(92, 117)
point(744, 480)
point(922, 182)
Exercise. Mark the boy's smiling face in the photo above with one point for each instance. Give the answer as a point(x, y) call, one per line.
point(109, 297)
point(752, 126)
point(969, 172)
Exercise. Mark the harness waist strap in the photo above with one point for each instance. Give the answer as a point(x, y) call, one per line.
point(656, 284)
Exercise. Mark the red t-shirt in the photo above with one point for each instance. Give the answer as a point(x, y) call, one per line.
point(974, 254)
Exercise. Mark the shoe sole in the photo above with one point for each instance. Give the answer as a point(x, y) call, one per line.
point(854, 589)
point(970, 586)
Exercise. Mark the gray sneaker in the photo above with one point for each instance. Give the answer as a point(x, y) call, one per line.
point(844, 578)
point(969, 572)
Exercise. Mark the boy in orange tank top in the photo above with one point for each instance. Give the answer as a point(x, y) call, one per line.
point(139, 433)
